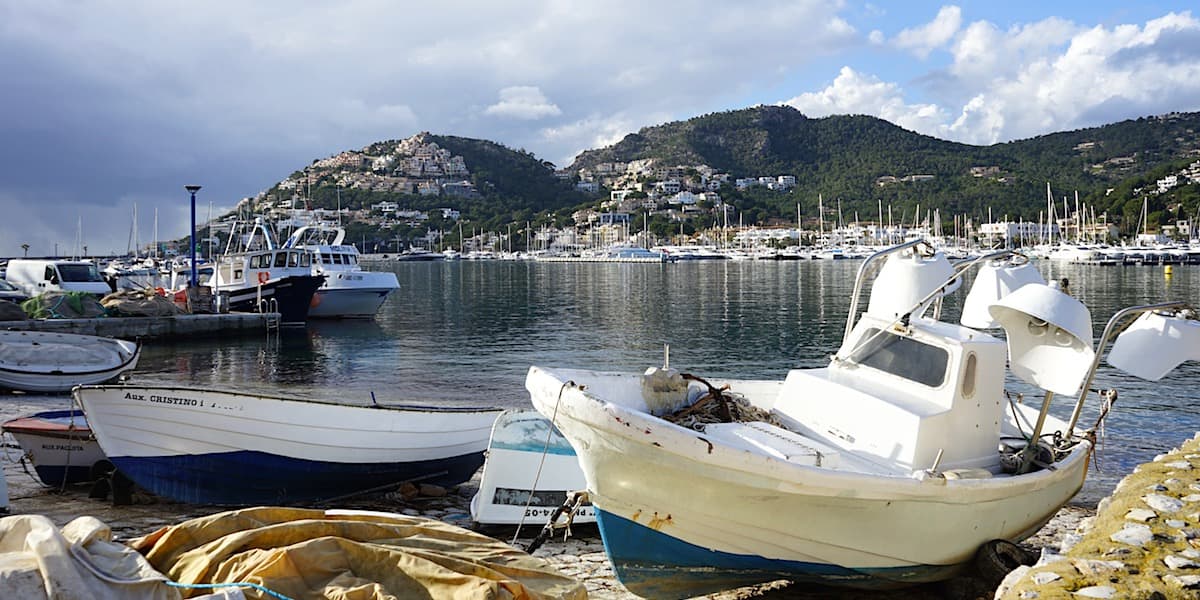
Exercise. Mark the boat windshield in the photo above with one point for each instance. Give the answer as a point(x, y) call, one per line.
point(79, 273)
point(903, 356)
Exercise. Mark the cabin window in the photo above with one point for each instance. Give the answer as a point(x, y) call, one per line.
point(237, 275)
point(293, 259)
point(904, 357)
point(350, 260)
point(968, 380)
point(256, 261)
point(337, 259)
point(305, 260)
point(281, 259)
point(51, 274)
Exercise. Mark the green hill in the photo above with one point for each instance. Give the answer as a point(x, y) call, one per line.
point(844, 157)
point(859, 162)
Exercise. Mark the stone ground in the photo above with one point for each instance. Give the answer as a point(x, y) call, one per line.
point(581, 556)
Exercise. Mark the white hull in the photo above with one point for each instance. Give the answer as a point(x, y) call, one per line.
point(59, 445)
point(526, 453)
point(55, 362)
point(748, 503)
point(195, 444)
point(336, 303)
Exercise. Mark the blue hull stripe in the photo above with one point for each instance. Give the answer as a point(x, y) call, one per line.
point(652, 564)
point(536, 448)
point(53, 475)
point(257, 478)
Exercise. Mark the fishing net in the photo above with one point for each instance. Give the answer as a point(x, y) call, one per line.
point(11, 311)
point(139, 303)
point(718, 405)
point(64, 305)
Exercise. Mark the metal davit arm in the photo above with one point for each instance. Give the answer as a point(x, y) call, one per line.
point(867, 267)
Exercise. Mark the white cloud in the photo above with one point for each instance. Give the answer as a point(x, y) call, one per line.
point(932, 35)
point(1036, 78)
point(855, 93)
point(594, 131)
point(523, 102)
point(876, 37)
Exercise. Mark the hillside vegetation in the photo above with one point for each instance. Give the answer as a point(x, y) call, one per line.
point(857, 163)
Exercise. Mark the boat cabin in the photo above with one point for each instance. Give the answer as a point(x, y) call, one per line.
point(913, 392)
point(252, 268)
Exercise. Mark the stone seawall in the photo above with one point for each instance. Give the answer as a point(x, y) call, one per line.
point(1143, 542)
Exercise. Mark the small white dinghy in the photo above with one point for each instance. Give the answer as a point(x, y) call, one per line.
point(39, 361)
point(891, 466)
point(529, 472)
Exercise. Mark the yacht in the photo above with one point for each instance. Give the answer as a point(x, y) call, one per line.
point(348, 291)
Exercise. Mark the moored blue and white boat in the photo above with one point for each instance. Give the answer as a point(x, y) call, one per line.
point(228, 448)
point(59, 444)
point(891, 466)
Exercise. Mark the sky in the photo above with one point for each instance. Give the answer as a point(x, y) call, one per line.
point(109, 108)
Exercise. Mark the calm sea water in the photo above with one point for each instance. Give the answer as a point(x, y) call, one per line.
point(465, 333)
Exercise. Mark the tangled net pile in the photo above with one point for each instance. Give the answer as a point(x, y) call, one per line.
point(718, 405)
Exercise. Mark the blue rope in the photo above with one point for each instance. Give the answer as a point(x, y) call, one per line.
point(209, 586)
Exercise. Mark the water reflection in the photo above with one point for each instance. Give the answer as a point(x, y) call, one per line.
point(465, 333)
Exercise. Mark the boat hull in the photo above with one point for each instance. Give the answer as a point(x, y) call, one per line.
point(526, 454)
point(347, 303)
point(290, 296)
point(213, 447)
point(47, 362)
point(59, 444)
point(749, 518)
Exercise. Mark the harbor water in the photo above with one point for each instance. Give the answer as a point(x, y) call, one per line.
point(464, 333)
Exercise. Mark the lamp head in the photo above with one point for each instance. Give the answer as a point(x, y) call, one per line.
point(1156, 343)
point(1049, 337)
point(192, 188)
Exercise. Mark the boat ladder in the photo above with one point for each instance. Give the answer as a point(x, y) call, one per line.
point(270, 307)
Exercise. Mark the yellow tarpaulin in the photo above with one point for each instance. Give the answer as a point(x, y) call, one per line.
point(346, 555)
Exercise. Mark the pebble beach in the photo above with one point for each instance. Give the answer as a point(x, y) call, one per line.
point(580, 556)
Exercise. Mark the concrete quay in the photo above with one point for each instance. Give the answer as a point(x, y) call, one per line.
point(152, 327)
point(1142, 543)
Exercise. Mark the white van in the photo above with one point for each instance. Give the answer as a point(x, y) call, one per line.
point(38, 276)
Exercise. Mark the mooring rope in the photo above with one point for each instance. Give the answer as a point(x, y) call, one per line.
point(545, 450)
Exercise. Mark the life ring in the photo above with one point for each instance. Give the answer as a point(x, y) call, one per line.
point(263, 277)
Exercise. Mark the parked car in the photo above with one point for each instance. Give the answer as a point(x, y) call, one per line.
point(11, 292)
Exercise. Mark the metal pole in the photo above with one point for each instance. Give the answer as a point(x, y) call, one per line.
point(192, 189)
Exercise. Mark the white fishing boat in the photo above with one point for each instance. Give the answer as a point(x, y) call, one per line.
point(529, 473)
point(349, 291)
point(39, 361)
point(60, 446)
point(214, 447)
point(891, 466)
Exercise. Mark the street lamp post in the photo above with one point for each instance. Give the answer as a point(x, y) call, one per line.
point(192, 189)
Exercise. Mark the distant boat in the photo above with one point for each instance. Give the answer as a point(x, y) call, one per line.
point(213, 447)
point(259, 277)
point(60, 445)
point(527, 457)
point(40, 361)
point(349, 291)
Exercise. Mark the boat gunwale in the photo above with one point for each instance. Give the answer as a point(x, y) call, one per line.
point(690, 445)
point(255, 396)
